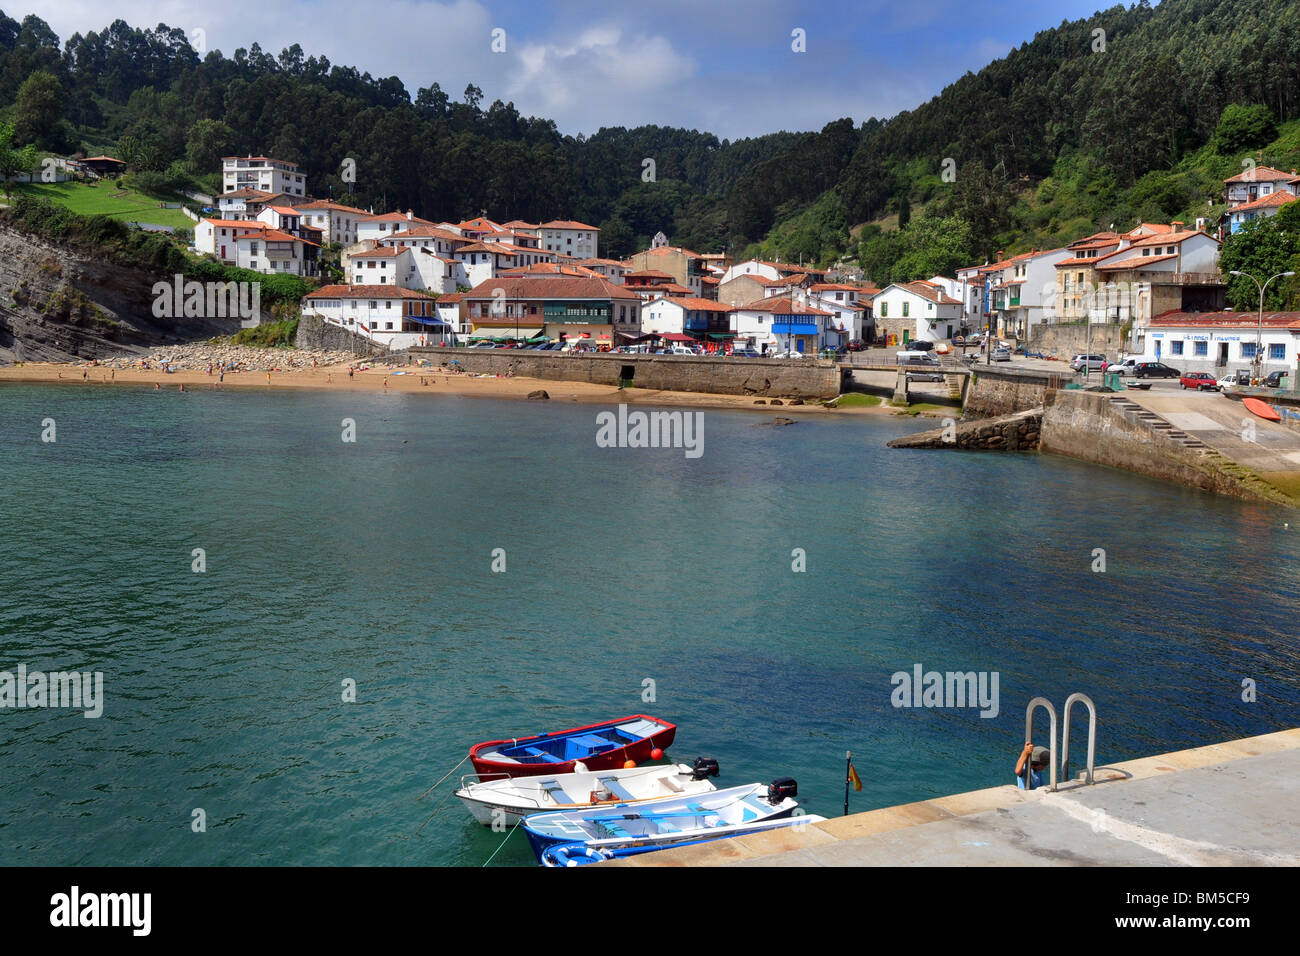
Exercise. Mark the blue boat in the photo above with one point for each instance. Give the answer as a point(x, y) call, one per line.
point(604, 746)
point(580, 854)
point(670, 821)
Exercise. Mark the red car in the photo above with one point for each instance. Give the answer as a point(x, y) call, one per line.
point(1201, 381)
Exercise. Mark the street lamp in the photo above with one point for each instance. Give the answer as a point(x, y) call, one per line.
point(1259, 337)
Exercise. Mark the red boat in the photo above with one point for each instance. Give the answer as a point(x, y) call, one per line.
point(604, 746)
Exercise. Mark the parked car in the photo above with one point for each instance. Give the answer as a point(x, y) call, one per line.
point(1094, 362)
point(1201, 381)
point(1233, 379)
point(745, 353)
point(1001, 354)
point(792, 354)
point(1124, 366)
point(1275, 380)
point(920, 345)
point(1155, 370)
point(855, 346)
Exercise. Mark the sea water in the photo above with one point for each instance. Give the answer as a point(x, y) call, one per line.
point(298, 635)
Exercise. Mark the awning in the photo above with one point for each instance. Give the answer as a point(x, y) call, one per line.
point(794, 328)
point(506, 334)
point(676, 337)
point(722, 335)
point(425, 320)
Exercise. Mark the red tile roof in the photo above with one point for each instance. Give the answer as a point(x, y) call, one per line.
point(1261, 174)
point(365, 292)
point(781, 305)
point(567, 224)
point(268, 159)
point(1279, 198)
point(1134, 262)
point(1231, 320)
point(551, 287)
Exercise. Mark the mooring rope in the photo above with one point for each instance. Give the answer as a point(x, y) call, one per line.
point(444, 777)
point(503, 843)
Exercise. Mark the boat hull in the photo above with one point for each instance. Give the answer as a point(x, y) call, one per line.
point(638, 751)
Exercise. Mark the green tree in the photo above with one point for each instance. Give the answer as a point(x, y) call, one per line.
point(39, 108)
point(1243, 127)
point(1262, 248)
point(13, 160)
point(617, 240)
point(208, 141)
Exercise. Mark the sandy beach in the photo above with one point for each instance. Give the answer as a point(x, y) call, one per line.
point(407, 379)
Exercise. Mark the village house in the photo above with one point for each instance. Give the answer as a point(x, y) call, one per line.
point(1261, 208)
point(387, 314)
point(910, 311)
point(1022, 291)
point(337, 222)
point(553, 307)
point(1221, 342)
point(262, 173)
point(850, 318)
point(1257, 182)
point(378, 228)
point(688, 320)
point(686, 268)
point(570, 238)
point(779, 324)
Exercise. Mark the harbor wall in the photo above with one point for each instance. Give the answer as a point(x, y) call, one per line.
point(1091, 427)
point(769, 378)
point(1018, 432)
point(994, 392)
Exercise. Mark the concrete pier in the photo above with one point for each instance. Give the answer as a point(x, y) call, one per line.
point(1230, 804)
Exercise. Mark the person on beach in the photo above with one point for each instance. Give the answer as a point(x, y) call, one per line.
point(221, 376)
point(350, 373)
point(1037, 759)
point(84, 375)
point(268, 378)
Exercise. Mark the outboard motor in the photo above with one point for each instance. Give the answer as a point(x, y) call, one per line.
point(782, 788)
point(704, 767)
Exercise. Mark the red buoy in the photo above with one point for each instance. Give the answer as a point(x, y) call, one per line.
point(629, 764)
point(656, 754)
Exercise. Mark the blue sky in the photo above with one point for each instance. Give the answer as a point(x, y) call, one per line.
point(726, 66)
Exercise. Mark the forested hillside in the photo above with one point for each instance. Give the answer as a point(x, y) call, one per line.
point(1110, 119)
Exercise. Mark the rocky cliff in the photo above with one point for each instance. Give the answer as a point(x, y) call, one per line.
point(58, 305)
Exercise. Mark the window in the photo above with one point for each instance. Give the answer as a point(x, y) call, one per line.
point(388, 325)
point(884, 310)
point(1201, 349)
point(906, 309)
point(1175, 348)
point(1248, 350)
point(1277, 351)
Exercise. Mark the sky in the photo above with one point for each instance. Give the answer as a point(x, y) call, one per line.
point(725, 66)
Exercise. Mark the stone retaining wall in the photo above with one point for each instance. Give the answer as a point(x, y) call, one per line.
point(1067, 341)
point(994, 392)
point(317, 334)
point(792, 378)
point(1019, 432)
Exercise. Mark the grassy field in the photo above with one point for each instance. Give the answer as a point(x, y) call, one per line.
point(105, 199)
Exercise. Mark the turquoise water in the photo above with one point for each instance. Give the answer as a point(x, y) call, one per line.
point(373, 561)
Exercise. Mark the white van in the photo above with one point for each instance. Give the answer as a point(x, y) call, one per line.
point(917, 358)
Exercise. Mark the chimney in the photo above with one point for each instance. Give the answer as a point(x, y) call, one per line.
point(999, 255)
point(1177, 225)
point(410, 214)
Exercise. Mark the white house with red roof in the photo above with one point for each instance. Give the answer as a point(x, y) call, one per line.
point(1261, 208)
point(387, 314)
point(1221, 342)
point(919, 310)
point(262, 173)
point(780, 324)
point(216, 237)
point(1256, 182)
point(378, 228)
point(570, 238)
point(337, 222)
point(850, 317)
point(682, 318)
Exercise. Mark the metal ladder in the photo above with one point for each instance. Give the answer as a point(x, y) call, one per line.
point(1065, 734)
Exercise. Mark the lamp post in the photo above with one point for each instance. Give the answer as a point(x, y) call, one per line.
point(1259, 337)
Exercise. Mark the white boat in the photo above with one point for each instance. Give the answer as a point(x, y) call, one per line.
point(668, 821)
point(580, 854)
point(507, 800)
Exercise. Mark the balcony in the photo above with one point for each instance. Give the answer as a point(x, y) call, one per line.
point(1191, 278)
